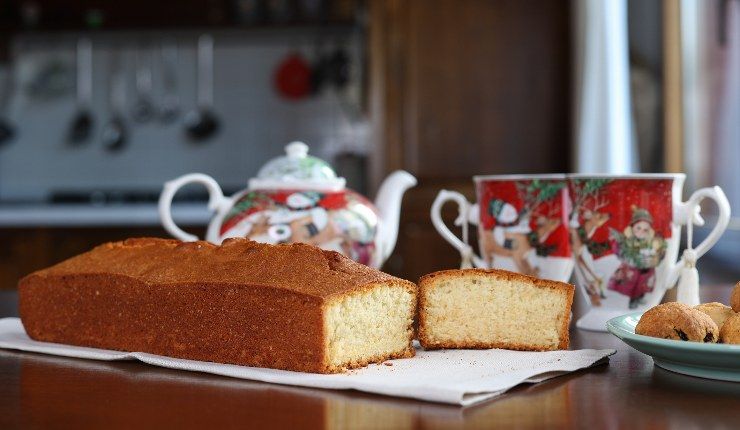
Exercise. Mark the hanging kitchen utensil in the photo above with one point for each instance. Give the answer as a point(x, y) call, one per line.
point(115, 134)
point(169, 109)
point(82, 123)
point(7, 129)
point(202, 123)
point(50, 76)
point(318, 70)
point(318, 12)
point(293, 77)
point(143, 108)
point(338, 68)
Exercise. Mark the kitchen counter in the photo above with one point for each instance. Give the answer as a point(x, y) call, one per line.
point(628, 392)
point(81, 215)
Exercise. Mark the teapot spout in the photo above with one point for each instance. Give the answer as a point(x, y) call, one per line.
point(388, 202)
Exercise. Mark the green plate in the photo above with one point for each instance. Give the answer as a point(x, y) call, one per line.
point(705, 360)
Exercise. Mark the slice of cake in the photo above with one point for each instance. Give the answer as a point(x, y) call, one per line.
point(293, 307)
point(474, 308)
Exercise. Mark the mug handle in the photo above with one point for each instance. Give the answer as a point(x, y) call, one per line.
point(688, 213)
point(216, 201)
point(464, 211)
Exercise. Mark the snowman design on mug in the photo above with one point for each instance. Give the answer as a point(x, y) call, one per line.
point(513, 237)
point(522, 226)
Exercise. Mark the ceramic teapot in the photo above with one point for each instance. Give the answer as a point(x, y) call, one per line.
point(299, 198)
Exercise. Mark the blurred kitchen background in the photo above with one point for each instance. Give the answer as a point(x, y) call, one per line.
point(102, 102)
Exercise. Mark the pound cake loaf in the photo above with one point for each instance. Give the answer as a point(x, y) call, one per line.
point(293, 307)
point(474, 308)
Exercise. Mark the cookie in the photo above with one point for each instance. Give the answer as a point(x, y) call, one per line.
point(730, 332)
point(735, 298)
point(718, 312)
point(679, 322)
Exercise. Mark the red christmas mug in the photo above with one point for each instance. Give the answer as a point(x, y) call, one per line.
point(625, 232)
point(622, 231)
point(522, 224)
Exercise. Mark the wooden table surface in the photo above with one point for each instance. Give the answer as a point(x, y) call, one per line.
point(38, 391)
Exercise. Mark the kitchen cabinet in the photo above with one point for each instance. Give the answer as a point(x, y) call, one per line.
point(54, 15)
point(460, 88)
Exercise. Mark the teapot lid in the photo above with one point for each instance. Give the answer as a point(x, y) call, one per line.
point(297, 170)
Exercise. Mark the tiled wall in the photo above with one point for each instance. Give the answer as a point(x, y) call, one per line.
point(256, 122)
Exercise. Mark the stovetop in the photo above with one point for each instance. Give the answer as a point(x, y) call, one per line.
point(121, 197)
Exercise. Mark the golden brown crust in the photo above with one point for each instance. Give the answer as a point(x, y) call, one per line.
point(679, 322)
point(730, 331)
point(242, 303)
point(407, 353)
point(735, 298)
point(485, 345)
point(718, 312)
point(301, 268)
point(425, 282)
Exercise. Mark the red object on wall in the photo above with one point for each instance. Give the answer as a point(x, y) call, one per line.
point(293, 77)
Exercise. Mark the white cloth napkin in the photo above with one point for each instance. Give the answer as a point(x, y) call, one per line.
point(461, 377)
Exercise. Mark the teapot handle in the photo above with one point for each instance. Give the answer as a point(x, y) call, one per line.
point(216, 200)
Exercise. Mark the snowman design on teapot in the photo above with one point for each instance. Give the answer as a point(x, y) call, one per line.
point(299, 198)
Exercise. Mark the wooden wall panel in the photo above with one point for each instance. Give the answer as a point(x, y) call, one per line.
point(461, 88)
point(488, 87)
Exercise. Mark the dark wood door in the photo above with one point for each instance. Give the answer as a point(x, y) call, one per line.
point(461, 88)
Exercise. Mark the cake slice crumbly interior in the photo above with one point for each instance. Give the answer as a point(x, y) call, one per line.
point(476, 308)
point(369, 326)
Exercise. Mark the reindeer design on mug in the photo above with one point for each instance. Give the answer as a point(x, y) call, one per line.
point(512, 235)
point(518, 246)
point(579, 237)
point(586, 206)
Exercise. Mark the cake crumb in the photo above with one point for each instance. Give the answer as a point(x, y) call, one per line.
point(387, 363)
